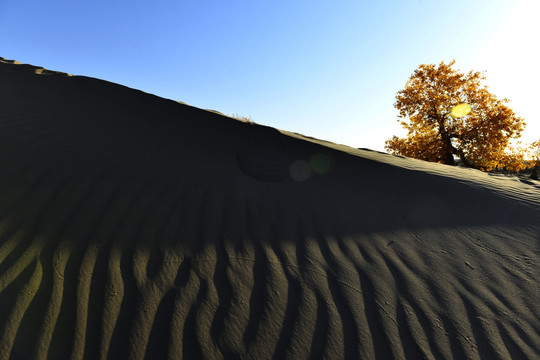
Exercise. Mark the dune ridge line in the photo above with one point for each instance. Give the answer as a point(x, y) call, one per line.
point(137, 227)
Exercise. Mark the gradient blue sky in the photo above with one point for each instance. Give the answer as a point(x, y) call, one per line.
point(328, 69)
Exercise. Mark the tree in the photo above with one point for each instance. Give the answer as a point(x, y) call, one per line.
point(535, 152)
point(451, 115)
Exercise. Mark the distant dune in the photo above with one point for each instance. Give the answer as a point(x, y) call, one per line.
point(135, 227)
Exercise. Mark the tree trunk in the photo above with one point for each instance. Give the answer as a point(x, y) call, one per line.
point(447, 142)
point(449, 158)
point(463, 159)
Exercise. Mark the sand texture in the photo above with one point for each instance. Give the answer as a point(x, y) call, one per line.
point(135, 227)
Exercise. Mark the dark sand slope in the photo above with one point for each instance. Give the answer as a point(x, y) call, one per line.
point(134, 227)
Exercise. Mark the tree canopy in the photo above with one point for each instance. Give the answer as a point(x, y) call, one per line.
point(450, 115)
point(535, 152)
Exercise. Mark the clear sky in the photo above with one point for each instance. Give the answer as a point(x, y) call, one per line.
point(328, 69)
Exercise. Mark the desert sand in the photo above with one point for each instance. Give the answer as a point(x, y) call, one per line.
point(136, 227)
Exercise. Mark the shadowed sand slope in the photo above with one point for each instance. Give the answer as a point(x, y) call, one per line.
point(134, 227)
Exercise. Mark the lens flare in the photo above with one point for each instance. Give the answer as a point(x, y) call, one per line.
point(460, 110)
point(300, 170)
point(320, 163)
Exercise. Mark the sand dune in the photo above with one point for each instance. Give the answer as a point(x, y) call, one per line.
point(135, 227)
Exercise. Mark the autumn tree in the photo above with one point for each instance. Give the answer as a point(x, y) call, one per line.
point(450, 115)
point(535, 153)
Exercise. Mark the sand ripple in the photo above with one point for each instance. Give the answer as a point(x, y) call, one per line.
point(134, 227)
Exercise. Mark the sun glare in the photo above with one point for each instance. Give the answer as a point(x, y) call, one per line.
point(460, 110)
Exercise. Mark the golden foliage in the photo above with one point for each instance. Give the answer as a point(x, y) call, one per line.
point(513, 160)
point(449, 114)
point(534, 150)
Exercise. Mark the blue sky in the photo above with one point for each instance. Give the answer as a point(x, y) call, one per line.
point(328, 69)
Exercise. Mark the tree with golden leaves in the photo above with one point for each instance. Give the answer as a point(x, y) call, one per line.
point(535, 153)
point(451, 115)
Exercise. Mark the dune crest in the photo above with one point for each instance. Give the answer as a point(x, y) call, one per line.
point(137, 227)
